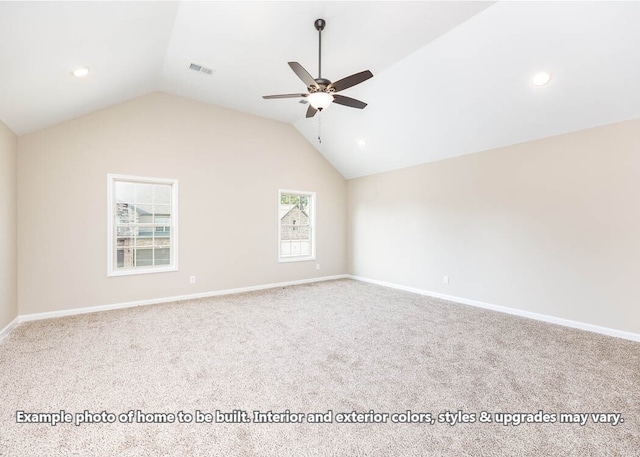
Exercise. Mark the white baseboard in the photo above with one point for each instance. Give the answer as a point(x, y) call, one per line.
point(153, 301)
point(505, 309)
point(531, 315)
point(5, 331)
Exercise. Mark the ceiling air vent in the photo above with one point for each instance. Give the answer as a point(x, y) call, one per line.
point(201, 69)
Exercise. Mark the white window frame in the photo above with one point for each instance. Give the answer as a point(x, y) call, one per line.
point(312, 226)
point(111, 226)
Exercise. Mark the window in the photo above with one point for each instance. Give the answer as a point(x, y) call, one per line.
point(142, 225)
point(296, 226)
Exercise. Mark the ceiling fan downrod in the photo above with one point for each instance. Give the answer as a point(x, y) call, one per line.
point(319, 24)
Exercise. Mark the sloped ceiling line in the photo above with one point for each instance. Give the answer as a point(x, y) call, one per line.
point(451, 78)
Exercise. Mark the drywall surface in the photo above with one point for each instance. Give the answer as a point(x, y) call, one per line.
point(8, 226)
point(549, 226)
point(229, 167)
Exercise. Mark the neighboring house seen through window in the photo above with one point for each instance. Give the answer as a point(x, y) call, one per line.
point(142, 225)
point(296, 226)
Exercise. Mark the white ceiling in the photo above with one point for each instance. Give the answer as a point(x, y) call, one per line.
point(451, 78)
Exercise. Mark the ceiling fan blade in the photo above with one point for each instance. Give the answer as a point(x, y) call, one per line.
point(348, 101)
point(269, 97)
point(351, 81)
point(311, 111)
point(303, 74)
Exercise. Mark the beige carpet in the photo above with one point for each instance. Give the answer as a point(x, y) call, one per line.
point(342, 346)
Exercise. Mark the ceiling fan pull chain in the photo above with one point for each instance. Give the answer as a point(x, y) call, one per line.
point(319, 127)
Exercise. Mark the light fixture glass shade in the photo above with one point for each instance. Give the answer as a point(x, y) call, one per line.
point(541, 78)
point(320, 100)
point(80, 72)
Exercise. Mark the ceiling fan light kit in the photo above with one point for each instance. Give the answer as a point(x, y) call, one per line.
point(321, 91)
point(320, 100)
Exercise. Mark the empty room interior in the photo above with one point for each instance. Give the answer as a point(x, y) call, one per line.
point(320, 228)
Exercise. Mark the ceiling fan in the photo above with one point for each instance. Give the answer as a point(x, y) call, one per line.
point(322, 91)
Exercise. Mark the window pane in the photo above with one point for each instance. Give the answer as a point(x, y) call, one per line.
point(305, 248)
point(304, 233)
point(285, 248)
point(295, 248)
point(144, 257)
point(144, 212)
point(124, 231)
point(125, 241)
point(303, 202)
point(285, 232)
point(144, 193)
point(125, 258)
point(162, 210)
point(161, 194)
point(145, 241)
point(125, 191)
point(124, 213)
point(162, 256)
point(162, 241)
point(162, 232)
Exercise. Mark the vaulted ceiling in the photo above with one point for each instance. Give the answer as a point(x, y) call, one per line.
point(451, 78)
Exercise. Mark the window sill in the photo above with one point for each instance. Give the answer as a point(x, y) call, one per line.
point(296, 259)
point(140, 271)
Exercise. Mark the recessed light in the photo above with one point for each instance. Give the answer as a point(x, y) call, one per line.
point(541, 78)
point(362, 143)
point(80, 72)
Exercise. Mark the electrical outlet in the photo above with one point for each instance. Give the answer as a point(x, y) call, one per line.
point(317, 266)
point(192, 279)
point(445, 279)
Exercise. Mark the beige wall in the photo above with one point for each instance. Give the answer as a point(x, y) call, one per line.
point(229, 166)
point(550, 226)
point(8, 223)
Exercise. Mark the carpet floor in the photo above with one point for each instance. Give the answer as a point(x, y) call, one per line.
point(388, 373)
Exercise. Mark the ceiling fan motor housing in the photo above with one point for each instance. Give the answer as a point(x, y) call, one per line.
point(324, 85)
